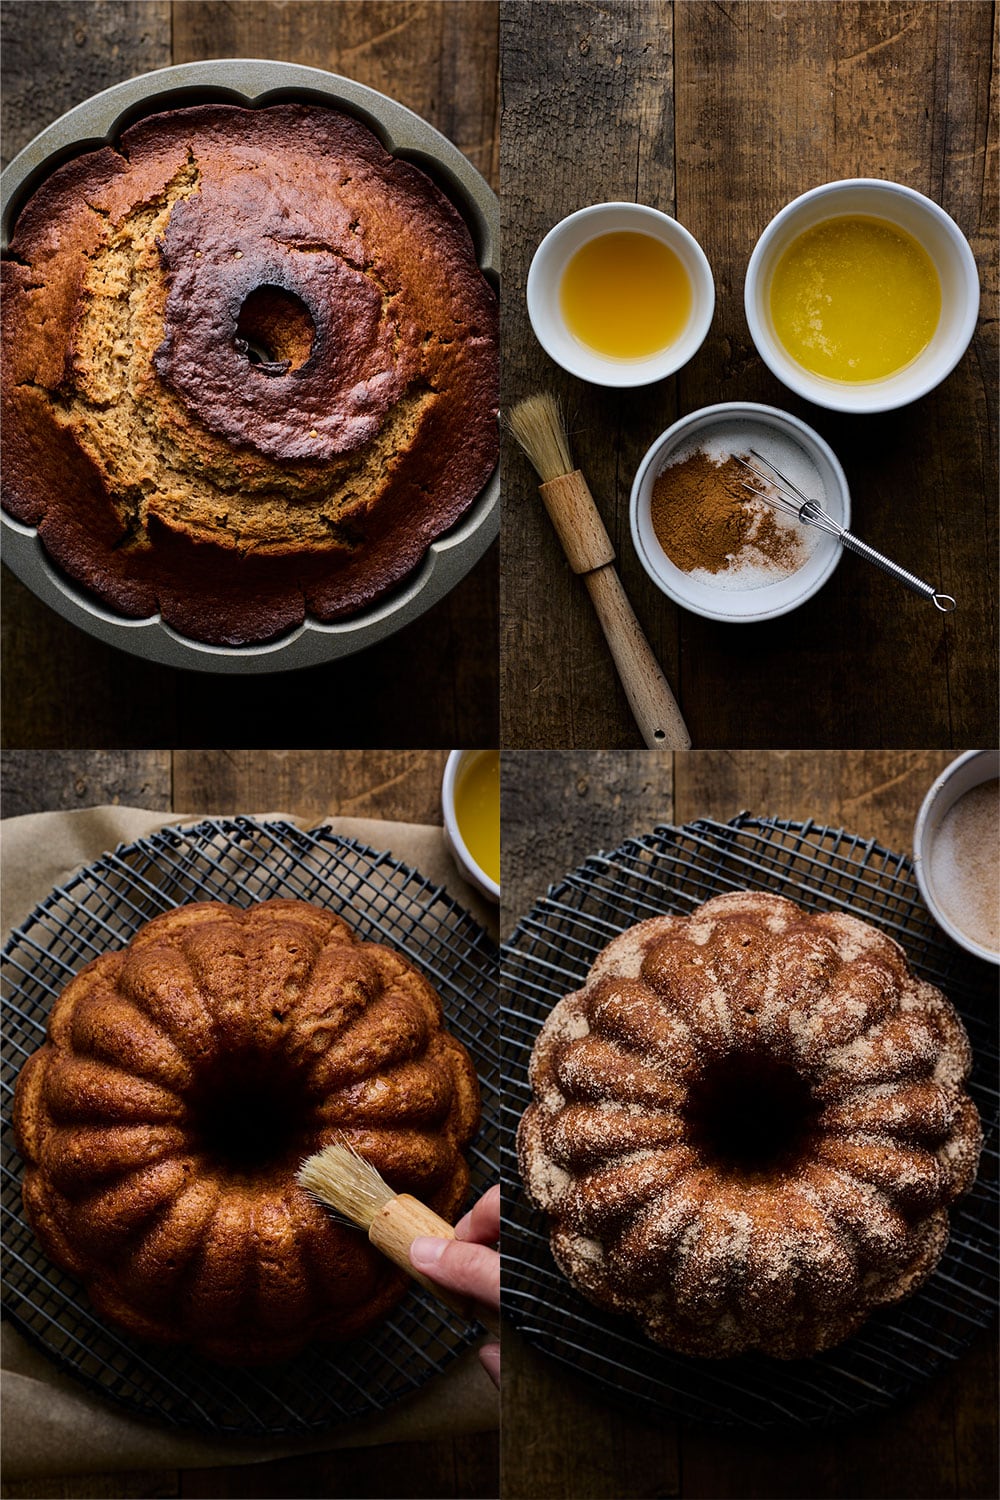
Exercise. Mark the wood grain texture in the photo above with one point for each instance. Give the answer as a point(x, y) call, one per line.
point(910, 1450)
point(559, 806)
point(50, 780)
point(720, 114)
point(562, 1439)
point(440, 60)
point(135, 1484)
point(467, 1468)
point(877, 794)
point(434, 683)
point(57, 56)
point(311, 784)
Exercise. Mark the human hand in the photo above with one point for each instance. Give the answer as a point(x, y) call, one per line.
point(469, 1264)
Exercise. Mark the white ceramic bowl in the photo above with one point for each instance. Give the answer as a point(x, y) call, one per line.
point(474, 874)
point(943, 241)
point(968, 771)
point(545, 275)
point(733, 604)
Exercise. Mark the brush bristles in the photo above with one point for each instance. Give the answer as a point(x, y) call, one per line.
point(341, 1178)
point(538, 426)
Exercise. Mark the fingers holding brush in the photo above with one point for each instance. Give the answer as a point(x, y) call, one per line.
point(470, 1269)
point(469, 1265)
point(481, 1224)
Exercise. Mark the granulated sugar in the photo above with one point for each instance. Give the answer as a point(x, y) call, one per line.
point(964, 865)
point(750, 568)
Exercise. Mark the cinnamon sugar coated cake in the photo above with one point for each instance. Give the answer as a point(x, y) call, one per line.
point(183, 1081)
point(251, 369)
point(748, 1126)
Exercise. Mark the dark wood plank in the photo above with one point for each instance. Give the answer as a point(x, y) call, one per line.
point(126, 1484)
point(587, 109)
point(974, 1402)
point(558, 807)
point(432, 684)
point(436, 682)
point(43, 781)
point(54, 58)
point(414, 52)
point(403, 785)
point(907, 90)
point(721, 113)
point(908, 1450)
point(416, 1470)
point(561, 1439)
point(876, 794)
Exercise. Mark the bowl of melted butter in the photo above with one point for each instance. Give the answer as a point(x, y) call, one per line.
point(862, 295)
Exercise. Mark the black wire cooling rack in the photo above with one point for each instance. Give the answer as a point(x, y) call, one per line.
point(549, 954)
point(240, 861)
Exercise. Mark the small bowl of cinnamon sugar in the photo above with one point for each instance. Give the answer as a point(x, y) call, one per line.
point(707, 541)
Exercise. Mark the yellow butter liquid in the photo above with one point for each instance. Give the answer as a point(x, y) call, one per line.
point(477, 809)
point(855, 299)
point(625, 295)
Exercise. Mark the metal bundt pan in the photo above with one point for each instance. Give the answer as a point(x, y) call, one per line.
point(250, 81)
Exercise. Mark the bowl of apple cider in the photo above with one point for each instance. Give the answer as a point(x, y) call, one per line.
point(470, 800)
point(620, 294)
point(861, 295)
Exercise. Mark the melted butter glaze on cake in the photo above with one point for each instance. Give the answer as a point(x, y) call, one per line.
point(748, 1126)
point(251, 369)
point(184, 1080)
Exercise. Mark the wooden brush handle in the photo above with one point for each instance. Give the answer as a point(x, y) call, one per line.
point(394, 1228)
point(586, 543)
point(577, 520)
point(648, 691)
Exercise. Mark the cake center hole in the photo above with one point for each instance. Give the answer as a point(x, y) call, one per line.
point(751, 1114)
point(275, 330)
point(249, 1121)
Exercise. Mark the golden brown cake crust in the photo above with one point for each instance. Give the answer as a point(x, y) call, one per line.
point(747, 1127)
point(183, 1081)
point(165, 469)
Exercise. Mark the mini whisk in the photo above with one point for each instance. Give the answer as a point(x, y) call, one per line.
point(782, 495)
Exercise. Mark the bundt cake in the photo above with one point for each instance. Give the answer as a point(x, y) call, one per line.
point(747, 1127)
point(250, 369)
point(184, 1079)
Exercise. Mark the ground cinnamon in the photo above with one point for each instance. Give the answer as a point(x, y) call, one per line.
point(704, 518)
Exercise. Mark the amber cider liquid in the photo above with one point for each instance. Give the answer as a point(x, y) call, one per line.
point(626, 295)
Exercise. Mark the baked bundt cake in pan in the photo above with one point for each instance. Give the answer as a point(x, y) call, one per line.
point(747, 1127)
point(184, 1079)
point(250, 369)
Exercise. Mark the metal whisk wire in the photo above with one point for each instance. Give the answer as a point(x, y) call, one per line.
point(777, 490)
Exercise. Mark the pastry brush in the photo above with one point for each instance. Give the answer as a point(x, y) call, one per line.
point(537, 424)
point(342, 1179)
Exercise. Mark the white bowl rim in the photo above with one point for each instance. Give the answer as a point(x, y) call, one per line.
point(740, 411)
point(621, 374)
point(833, 395)
point(472, 871)
point(921, 848)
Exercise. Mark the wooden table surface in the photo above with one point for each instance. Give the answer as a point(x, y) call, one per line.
point(403, 785)
point(561, 1440)
point(433, 683)
point(720, 113)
